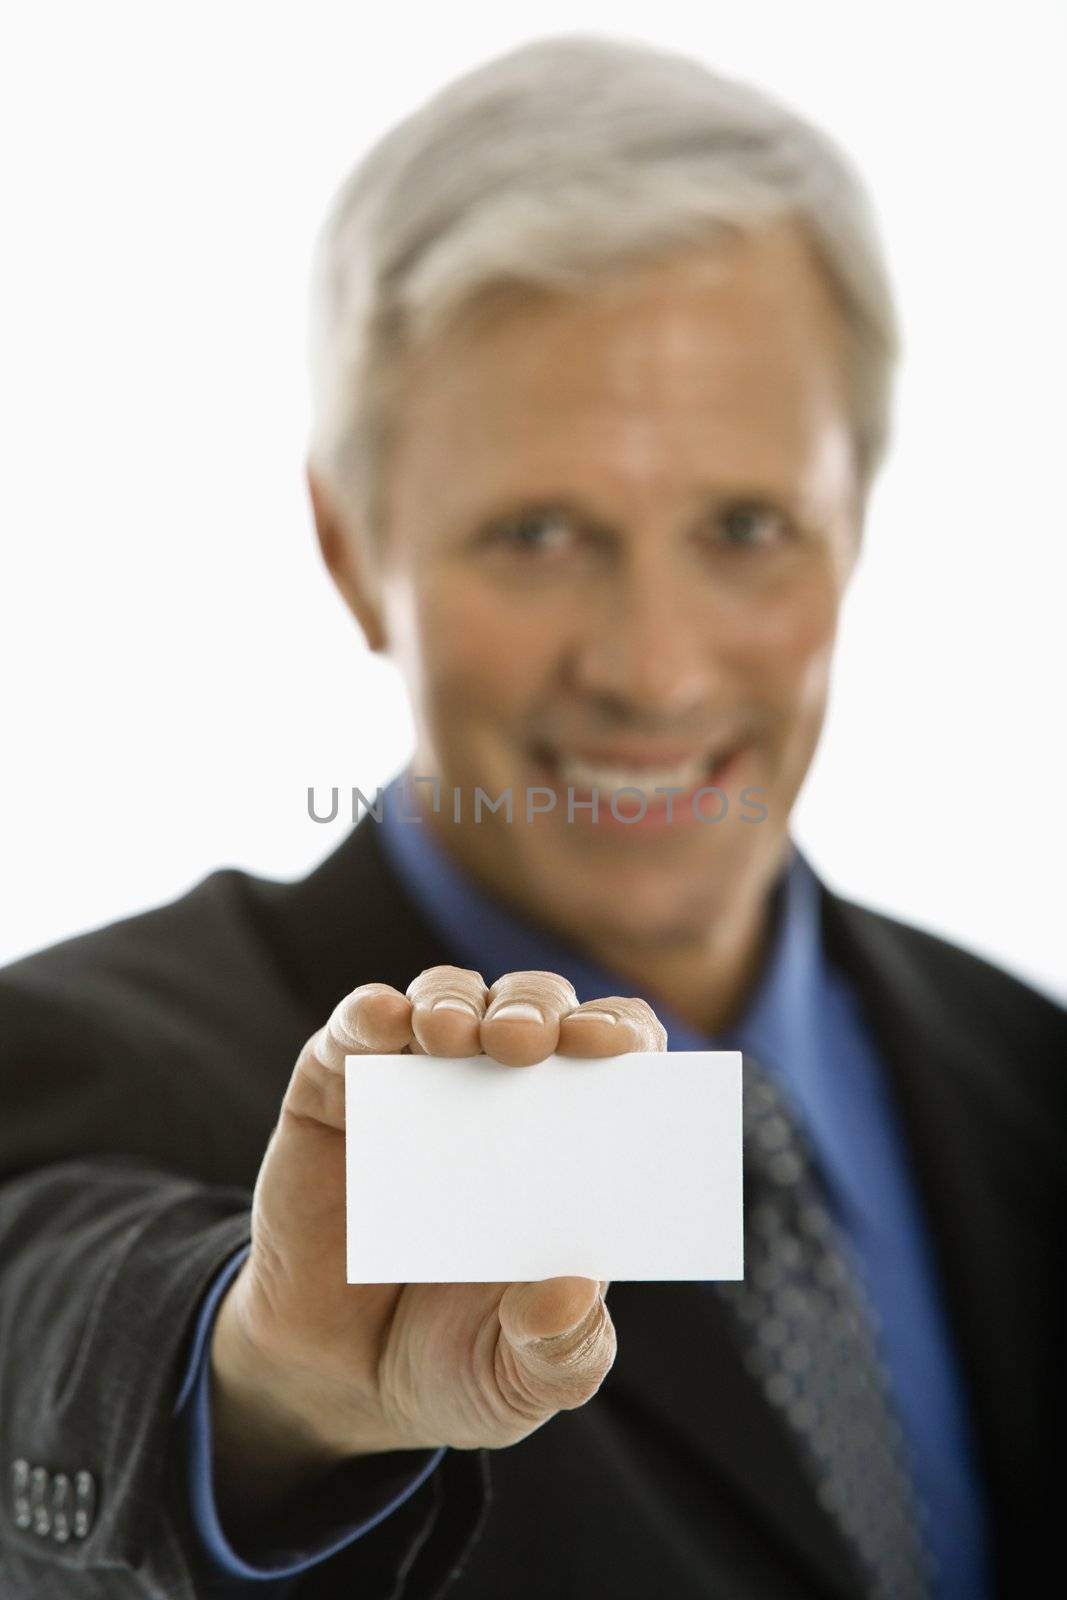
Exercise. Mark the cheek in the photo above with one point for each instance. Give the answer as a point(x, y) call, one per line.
point(482, 659)
point(788, 643)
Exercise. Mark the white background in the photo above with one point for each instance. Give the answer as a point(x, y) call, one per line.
point(176, 668)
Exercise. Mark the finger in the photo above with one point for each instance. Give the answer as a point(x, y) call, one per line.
point(374, 1019)
point(595, 1029)
point(613, 1026)
point(556, 1347)
point(447, 1006)
point(522, 1017)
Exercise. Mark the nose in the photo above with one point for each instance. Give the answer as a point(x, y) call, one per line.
point(641, 645)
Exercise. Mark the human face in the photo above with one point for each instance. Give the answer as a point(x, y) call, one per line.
point(620, 529)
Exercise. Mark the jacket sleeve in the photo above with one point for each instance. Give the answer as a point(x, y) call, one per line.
point(110, 1241)
point(102, 1268)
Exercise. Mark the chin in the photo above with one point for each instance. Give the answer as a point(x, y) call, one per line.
point(661, 928)
point(646, 906)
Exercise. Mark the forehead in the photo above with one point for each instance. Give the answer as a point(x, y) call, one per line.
point(722, 359)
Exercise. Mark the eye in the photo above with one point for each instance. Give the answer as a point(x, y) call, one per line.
point(531, 533)
point(748, 525)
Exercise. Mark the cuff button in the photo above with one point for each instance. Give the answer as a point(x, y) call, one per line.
point(20, 1493)
point(62, 1497)
point(84, 1504)
point(40, 1482)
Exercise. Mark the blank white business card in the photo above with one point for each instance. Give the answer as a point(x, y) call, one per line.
point(467, 1171)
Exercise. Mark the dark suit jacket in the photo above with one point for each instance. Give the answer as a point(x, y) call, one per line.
point(142, 1070)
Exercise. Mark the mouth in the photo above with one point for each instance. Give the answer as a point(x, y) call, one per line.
point(646, 772)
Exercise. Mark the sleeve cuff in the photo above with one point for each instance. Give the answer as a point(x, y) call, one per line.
point(356, 1498)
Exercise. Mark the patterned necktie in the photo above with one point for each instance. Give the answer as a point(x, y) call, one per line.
point(807, 1331)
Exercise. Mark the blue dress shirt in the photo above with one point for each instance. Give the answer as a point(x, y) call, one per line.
point(805, 1024)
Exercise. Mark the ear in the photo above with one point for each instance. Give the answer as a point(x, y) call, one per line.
point(346, 560)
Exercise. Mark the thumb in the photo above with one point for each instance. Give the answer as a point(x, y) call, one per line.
point(559, 1340)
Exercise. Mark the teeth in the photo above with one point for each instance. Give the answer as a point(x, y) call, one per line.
point(580, 774)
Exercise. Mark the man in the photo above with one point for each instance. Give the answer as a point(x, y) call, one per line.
point(601, 388)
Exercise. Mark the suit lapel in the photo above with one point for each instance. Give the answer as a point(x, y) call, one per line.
point(351, 921)
point(978, 1088)
point(994, 1217)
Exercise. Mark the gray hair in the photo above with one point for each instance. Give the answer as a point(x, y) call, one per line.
point(547, 168)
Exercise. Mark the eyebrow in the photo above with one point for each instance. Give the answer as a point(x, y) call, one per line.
point(704, 500)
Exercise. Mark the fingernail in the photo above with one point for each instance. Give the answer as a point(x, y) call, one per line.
point(467, 1007)
point(518, 1011)
point(590, 1016)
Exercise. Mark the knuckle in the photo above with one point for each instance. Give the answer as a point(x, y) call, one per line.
point(556, 1374)
point(638, 1011)
point(545, 987)
point(579, 1368)
point(521, 1392)
point(345, 1024)
point(445, 980)
point(616, 1004)
point(444, 974)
